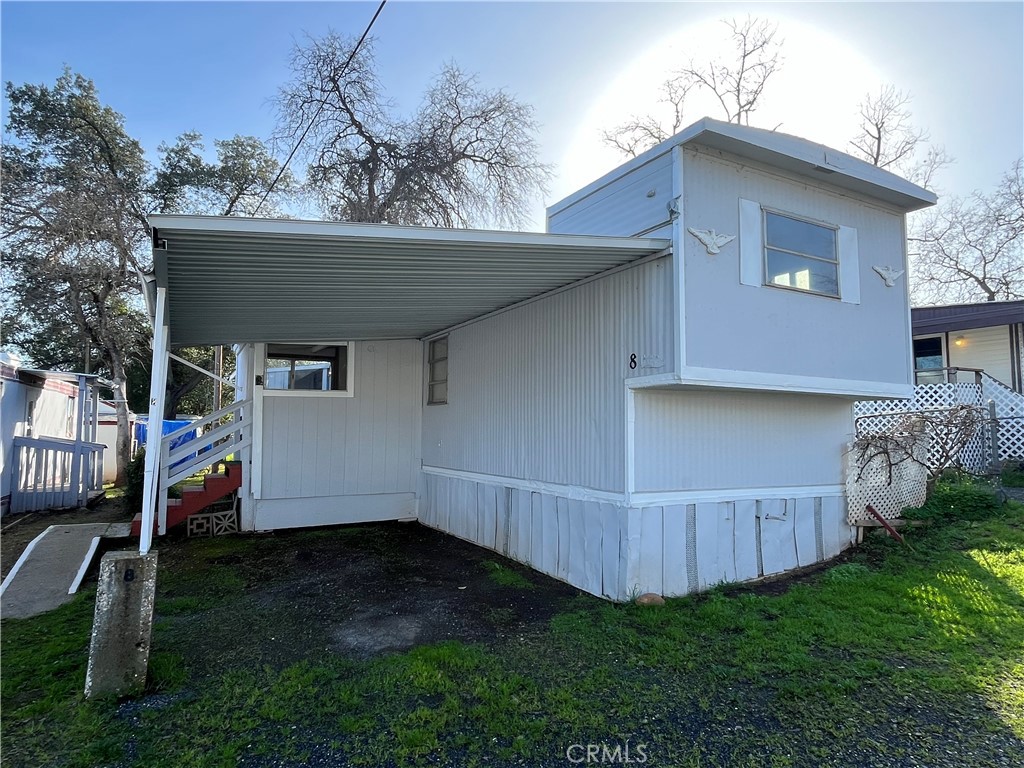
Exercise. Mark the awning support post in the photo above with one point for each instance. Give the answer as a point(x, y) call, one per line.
point(154, 434)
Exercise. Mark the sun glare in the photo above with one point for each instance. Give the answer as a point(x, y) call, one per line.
point(814, 95)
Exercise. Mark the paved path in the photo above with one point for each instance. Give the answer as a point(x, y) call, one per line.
point(52, 566)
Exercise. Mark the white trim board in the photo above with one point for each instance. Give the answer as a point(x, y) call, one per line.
point(579, 493)
point(660, 498)
point(694, 376)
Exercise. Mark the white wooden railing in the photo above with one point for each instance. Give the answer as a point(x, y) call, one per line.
point(54, 473)
point(218, 436)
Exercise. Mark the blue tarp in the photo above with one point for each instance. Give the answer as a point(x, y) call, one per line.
point(169, 425)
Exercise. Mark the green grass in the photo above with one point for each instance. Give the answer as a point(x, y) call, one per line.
point(1013, 475)
point(896, 654)
point(505, 575)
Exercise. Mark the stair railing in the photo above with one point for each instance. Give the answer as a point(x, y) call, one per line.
point(218, 435)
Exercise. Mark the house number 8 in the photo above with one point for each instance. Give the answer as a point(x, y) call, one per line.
point(632, 362)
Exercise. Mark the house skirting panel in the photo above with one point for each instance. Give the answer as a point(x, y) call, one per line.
point(271, 514)
point(616, 551)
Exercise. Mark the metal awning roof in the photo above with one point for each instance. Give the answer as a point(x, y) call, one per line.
point(233, 280)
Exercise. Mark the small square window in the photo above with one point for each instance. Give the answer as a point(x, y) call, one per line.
point(437, 372)
point(310, 367)
point(800, 255)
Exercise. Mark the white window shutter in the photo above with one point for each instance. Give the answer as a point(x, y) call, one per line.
point(849, 266)
point(751, 247)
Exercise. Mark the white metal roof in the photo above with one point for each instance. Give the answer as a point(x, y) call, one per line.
point(816, 161)
point(238, 280)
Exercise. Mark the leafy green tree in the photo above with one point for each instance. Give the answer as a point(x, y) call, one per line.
point(76, 194)
point(75, 223)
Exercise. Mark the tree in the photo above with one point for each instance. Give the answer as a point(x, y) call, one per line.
point(737, 83)
point(972, 249)
point(888, 138)
point(74, 224)
point(467, 156)
point(77, 190)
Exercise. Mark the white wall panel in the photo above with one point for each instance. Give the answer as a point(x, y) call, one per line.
point(619, 552)
point(538, 392)
point(706, 439)
point(735, 327)
point(324, 446)
point(635, 203)
point(569, 539)
point(985, 348)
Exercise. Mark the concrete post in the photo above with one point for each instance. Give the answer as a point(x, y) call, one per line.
point(122, 624)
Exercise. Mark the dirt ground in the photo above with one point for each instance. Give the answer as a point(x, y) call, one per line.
point(358, 591)
point(16, 531)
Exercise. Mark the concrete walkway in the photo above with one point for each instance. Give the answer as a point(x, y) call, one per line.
point(51, 568)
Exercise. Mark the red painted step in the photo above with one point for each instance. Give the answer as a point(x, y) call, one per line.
point(197, 498)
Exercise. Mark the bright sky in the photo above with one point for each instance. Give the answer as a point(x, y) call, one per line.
point(212, 67)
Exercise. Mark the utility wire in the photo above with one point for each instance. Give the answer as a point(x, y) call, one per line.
point(319, 109)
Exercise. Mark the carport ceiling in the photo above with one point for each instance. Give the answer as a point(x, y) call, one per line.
point(235, 280)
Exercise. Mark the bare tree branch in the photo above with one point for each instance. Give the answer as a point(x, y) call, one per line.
point(736, 82)
point(467, 156)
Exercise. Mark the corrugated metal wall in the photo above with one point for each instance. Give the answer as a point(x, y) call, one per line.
point(732, 326)
point(704, 439)
point(635, 203)
point(538, 392)
point(683, 548)
point(340, 446)
point(569, 539)
point(619, 552)
point(986, 348)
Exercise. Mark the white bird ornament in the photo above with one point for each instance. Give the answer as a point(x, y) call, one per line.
point(889, 275)
point(711, 239)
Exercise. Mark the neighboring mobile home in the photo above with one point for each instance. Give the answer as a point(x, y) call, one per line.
point(49, 451)
point(988, 336)
point(653, 396)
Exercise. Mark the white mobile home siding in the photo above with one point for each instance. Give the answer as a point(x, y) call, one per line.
point(985, 348)
point(350, 457)
point(730, 326)
point(538, 392)
point(635, 203)
point(710, 440)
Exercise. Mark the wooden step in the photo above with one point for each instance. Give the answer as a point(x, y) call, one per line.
point(196, 498)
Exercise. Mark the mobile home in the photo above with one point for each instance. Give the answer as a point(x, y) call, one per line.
point(652, 396)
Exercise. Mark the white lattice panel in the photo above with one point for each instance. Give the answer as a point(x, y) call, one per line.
point(1009, 407)
point(926, 397)
point(889, 483)
point(975, 456)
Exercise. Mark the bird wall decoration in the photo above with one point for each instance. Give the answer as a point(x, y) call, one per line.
point(889, 275)
point(710, 239)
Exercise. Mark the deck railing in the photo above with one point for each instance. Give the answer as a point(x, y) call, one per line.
point(217, 436)
point(54, 473)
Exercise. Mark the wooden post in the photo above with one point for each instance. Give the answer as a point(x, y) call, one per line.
point(154, 437)
point(993, 435)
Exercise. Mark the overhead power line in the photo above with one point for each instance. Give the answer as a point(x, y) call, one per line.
point(319, 109)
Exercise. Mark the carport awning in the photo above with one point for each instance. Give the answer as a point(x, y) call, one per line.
point(233, 280)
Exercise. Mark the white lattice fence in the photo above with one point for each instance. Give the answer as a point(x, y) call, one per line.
point(926, 397)
point(889, 480)
point(1009, 411)
point(975, 456)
